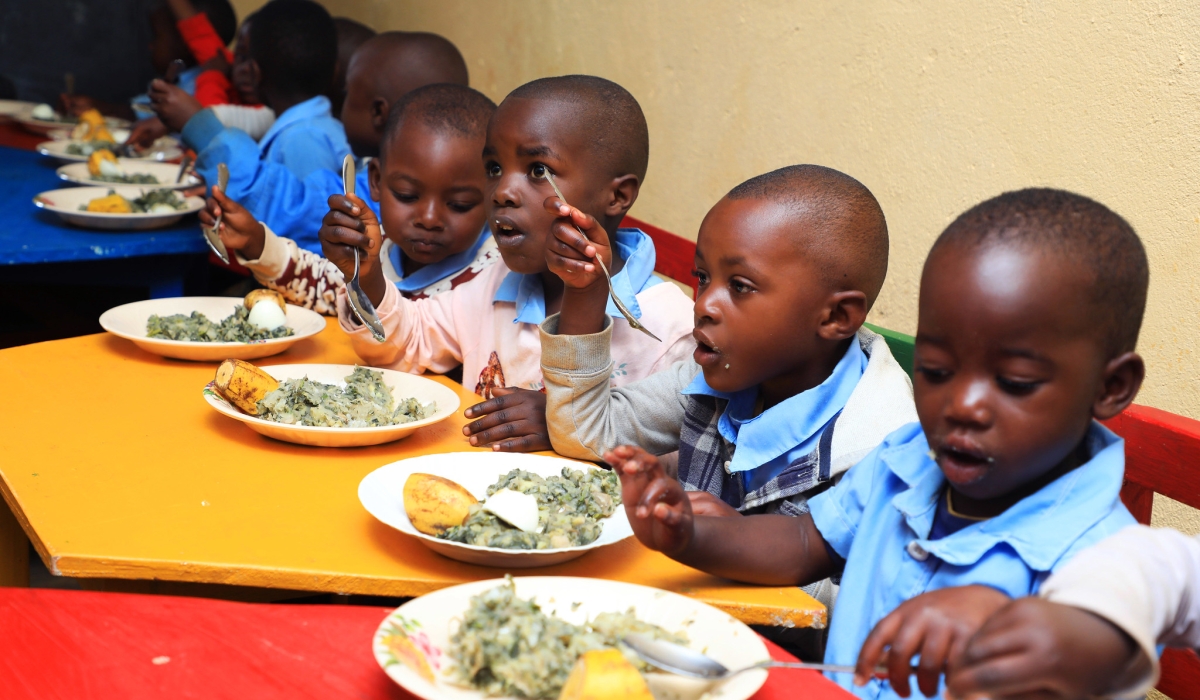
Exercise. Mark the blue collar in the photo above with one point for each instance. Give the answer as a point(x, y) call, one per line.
point(437, 271)
point(1066, 507)
point(634, 247)
point(312, 108)
point(793, 422)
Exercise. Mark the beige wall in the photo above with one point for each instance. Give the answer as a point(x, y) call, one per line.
point(933, 105)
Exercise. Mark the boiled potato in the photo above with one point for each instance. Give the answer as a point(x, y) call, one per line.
point(112, 204)
point(244, 384)
point(97, 156)
point(264, 295)
point(604, 673)
point(434, 504)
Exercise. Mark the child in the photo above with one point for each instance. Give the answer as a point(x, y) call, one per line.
point(383, 71)
point(434, 199)
point(591, 134)
point(1029, 312)
point(789, 263)
point(293, 44)
point(350, 36)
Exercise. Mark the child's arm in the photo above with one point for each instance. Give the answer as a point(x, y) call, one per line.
point(1141, 581)
point(774, 550)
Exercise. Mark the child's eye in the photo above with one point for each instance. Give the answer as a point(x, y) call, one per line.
point(1017, 387)
point(740, 287)
point(493, 169)
point(932, 374)
point(538, 171)
point(462, 207)
point(701, 277)
point(406, 197)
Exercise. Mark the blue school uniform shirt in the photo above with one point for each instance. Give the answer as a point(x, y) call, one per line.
point(305, 138)
point(291, 206)
point(880, 516)
point(634, 247)
point(772, 440)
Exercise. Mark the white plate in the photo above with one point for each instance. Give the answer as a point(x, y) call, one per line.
point(66, 203)
point(419, 631)
point(45, 126)
point(402, 385)
point(168, 150)
point(165, 172)
point(13, 108)
point(382, 494)
point(129, 321)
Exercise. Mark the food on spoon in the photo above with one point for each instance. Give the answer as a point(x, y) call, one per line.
point(434, 504)
point(112, 204)
point(604, 673)
point(265, 294)
point(44, 112)
point(97, 158)
point(515, 508)
point(365, 402)
point(235, 328)
point(570, 510)
point(244, 384)
point(507, 645)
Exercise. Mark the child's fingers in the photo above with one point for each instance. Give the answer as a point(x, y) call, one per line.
point(534, 442)
point(569, 242)
point(348, 204)
point(223, 201)
point(873, 648)
point(567, 266)
point(345, 236)
point(932, 663)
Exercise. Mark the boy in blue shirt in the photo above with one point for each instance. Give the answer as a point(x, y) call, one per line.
point(382, 71)
point(293, 44)
point(1029, 313)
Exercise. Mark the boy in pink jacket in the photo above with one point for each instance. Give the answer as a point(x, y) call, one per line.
point(591, 135)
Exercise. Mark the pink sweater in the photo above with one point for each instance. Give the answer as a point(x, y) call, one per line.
point(465, 325)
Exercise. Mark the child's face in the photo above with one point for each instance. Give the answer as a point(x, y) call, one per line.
point(1008, 368)
point(357, 116)
point(431, 192)
point(525, 139)
point(243, 73)
point(760, 300)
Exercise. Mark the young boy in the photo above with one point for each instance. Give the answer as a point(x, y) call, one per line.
point(350, 36)
point(293, 44)
point(591, 135)
point(434, 198)
point(383, 70)
point(1029, 312)
point(785, 389)
point(1095, 628)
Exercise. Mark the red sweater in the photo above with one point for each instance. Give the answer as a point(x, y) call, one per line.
point(212, 86)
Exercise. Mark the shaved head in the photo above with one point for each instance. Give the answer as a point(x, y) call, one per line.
point(836, 219)
point(350, 36)
point(399, 62)
point(609, 116)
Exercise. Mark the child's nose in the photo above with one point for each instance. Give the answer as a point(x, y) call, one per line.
point(707, 307)
point(429, 216)
point(969, 403)
point(507, 192)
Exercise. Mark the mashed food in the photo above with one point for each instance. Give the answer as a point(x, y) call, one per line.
point(197, 328)
point(366, 402)
point(570, 508)
point(506, 645)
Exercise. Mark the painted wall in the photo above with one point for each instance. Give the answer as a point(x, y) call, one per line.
point(933, 105)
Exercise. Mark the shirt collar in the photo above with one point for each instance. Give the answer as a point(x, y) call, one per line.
point(1040, 527)
point(433, 272)
point(312, 108)
point(792, 422)
point(637, 274)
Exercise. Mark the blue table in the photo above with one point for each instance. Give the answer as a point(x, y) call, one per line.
point(37, 246)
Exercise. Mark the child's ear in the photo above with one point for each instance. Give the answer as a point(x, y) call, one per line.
point(374, 179)
point(845, 314)
point(379, 114)
point(622, 193)
point(1123, 377)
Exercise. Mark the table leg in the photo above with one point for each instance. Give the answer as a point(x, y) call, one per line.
point(14, 550)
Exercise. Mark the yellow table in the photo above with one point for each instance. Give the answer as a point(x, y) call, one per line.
point(116, 468)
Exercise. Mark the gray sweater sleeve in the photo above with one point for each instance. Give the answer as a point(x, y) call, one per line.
point(587, 417)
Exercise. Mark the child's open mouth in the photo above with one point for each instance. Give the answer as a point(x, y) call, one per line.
point(706, 353)
point(507, 233)
point(963, 463)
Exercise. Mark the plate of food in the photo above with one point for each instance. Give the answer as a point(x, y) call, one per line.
point(328, 405)
point(558, 637)
point(103, 168)
point(10, 109)
point(118, 209)
point(77, 151)
point(42, 119)
point(499, 509)
point(211, 329)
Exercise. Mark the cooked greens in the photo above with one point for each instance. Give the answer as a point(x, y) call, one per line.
point(570, 508)
point(366, 402)
point(506, 645)
point(198, 328)
point(85, 148)
point(128, 178)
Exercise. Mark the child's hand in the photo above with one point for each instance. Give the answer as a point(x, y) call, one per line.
point(239, 231)
point(172, 105)
point(937, 625)
point(350, 223)
point(569, 254)
point(513, 421)
point(704, 503)
point(658, 508)
point(1035, 648)
point(146, 131)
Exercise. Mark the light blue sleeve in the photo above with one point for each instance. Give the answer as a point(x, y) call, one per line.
point(838, 511)
point(292, 207)
point(303, 151)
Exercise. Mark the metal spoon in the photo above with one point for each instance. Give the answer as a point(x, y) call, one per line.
point(682, 661)
point(633, 322)
point(362, 307)
point(210, 234)
point(187, 163)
